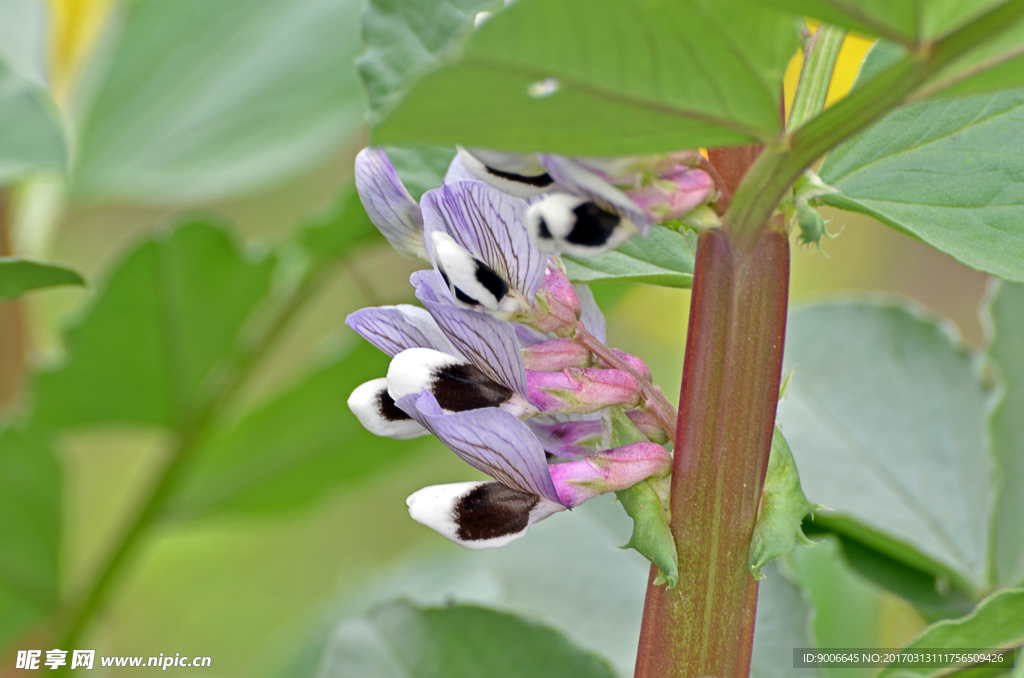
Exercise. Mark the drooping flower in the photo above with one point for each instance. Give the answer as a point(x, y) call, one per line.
point(493, 302)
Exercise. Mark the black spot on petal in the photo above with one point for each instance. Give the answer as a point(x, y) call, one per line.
point(464, 386)
point(492, 282)
point(593, 225)
point(543, 231)
point(388, 409)
point(536, 180)
point(493, 510)
point(465, 298)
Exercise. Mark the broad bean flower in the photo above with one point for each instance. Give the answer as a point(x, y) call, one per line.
point(505, 360)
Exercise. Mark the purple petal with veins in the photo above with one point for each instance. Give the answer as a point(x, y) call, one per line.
point(570, 436)
point(489, 343)
point(393, 329)
point(577, 179)
point(389, 205)
point(489, 440)
point(457, 172)
point(490, 225)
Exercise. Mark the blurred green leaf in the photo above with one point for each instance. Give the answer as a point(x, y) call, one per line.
point(947, 172)
point(398, 640)
point(889, 432)
point(193, 99)
point(23, 34)
point(599, 77)
point(344, 224)
point(997, 622)
point(30, 519)
point(292, 450)
point(1006, 313)
point(31, 137)
point(169, 314)
point(18, 276)
point(783, 623)
point(405, 39)
point(783, 507)
point(665, 257)
point(908, 22)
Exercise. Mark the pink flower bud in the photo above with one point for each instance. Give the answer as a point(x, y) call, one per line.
point(582, 390)
point(556, 355)
point(673, 194)
point(557, 307)
point(635, 364)
point(648, 425)
point(609, 471)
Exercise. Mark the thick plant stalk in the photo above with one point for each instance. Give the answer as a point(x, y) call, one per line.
point(731, 374)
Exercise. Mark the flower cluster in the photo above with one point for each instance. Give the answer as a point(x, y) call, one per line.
point(505, 361)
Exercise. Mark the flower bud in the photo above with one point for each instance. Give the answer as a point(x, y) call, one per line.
point(582, 390)
point(557, 307)
point(456, 384)
point(635, 364)
point(556, 355)
point(570, 438)
point(673, 194)
point(648, 425)
point(609, 471)
point(377, 412)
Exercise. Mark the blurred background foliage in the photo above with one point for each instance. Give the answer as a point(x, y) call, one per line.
point(249, 113)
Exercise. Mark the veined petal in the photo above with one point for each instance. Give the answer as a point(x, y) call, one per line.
point(489, 343)
point(389, 204)
point(490, 440)
point(457, 172)
point(591, 316)
point(577, 179)
point(517, 174)
point(571, 436)
point(490, 226)
point(393, 329)
point(478, 515)
point(377, 412)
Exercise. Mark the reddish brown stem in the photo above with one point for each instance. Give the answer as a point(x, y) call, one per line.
point(731, 165)
point(731, 374)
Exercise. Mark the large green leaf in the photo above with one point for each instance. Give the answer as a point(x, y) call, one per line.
point(193, 99)
point(888, 431)
point(900, 20)
point(996, 623)
point(18, 276)
point(30, 130)
point(405, 39)
point(30, 517)
point(602, 77)
point(170, 313)
point(948, 172)
point(1006, 352)
point(665, 257)
point(399, 640)
point(341, 226)
point(23, 33)
point(295, 448)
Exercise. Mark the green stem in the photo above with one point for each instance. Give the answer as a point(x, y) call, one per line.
point(819, 61)
point(778, 167)
point(187, 442)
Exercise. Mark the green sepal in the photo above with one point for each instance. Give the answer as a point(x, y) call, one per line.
point(647, 504)
point(783, 507)
point(807, 189)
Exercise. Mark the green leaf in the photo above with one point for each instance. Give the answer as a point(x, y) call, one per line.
point(1005, 311)
point(783, 623)
point(295, 448)
point(665, 257)
point(997, 622)
point(405, 39)
point(889, 432)
point(600, 77)
point(30, 129)
point(167, 317)
point(907, 22)
point(23, 33)
point(18, 276)
point(193, 99)
point(399, 640)
point(343, 225)
point(947, 172)
point(783, 507)
point(30, 518)
point(421, 168)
